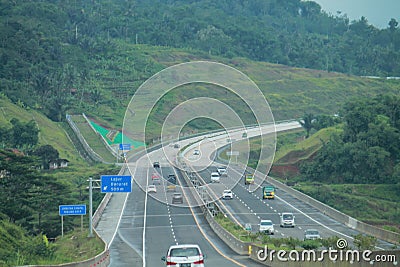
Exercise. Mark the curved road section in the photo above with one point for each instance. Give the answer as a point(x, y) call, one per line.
point(140, 226)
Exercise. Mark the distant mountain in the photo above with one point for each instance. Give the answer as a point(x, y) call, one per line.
point(90, 56)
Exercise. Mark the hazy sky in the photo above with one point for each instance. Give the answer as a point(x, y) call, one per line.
point(377, 12)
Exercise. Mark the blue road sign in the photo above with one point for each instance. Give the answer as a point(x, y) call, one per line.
point(65, 210)
point(125, 147)
point(116, 184)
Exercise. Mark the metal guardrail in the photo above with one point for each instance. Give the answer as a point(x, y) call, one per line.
point(93, 155)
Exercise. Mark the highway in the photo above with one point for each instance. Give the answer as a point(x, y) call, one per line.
point(249, 207)
point(150, 223)
point(140, 227)
point(149, 226)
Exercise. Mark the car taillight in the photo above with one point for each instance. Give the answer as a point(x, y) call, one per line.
point(169, 262)
point(200, 261)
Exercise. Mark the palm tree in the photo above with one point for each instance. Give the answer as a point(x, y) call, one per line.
point(307, 123)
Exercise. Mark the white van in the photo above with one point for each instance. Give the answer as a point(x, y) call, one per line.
point(214, 177)
point(287, 220)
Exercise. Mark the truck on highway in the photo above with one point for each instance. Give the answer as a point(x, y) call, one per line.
point(171, 182)
point(268, 192)
point(249, 178)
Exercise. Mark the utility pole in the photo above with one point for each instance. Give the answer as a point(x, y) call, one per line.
point(91, 204)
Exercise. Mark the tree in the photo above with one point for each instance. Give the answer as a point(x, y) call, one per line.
point(368, 149)
point(307, 123)
point(310, 244)
point(27, 197)
point(46, 153)
point(19, 176)
point(363, 242)
point(324, 121)
point(24, 135)
point(357, 115)
point(393, 25)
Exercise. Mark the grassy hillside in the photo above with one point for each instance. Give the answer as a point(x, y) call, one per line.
point(50, 132)
point(291, 92)
point(376, 204)
point(22, 247)
point(294, 150)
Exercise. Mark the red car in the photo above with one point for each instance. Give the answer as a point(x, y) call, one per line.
point(155, 176)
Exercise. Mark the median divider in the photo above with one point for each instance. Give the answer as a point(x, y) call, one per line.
point(240, 247)
point(212, 209)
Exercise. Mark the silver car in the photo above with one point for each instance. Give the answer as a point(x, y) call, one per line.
point(311, 234)
point(177, 198)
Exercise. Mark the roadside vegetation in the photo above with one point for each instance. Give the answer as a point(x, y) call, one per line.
point(361, 241)
point(31, 191)
point(350, 163)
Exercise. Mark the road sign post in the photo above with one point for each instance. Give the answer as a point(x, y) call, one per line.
point(91, 205)
point(233, 153)
point(66, 210)
point(116, 184)
point(125, 148)
point(109, 184)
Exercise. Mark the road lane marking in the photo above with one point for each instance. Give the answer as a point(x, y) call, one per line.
point(321, 224)
point(145, 220)
point(204, 234)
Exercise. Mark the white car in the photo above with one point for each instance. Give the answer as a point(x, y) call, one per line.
point(222, 171)
point(215, 177)
point(227, 194)
point(196, 152)
point(311, 234)
point(287, 220)
point(189, 255)
point(266, 226)
point(151, 188)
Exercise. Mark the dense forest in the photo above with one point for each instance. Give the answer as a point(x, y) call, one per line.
point(367, 151)
point(49, 49)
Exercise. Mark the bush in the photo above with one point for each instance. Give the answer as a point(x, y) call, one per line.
point(310, 244)
point(330, 242)
point(363, 242)
point(265, 239)
point(291, 242)
point(277, 242)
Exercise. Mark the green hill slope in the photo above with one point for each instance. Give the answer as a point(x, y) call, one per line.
point(291, 92)
point(49, 132)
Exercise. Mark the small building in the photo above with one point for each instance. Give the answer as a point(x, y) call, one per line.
point(58, 163)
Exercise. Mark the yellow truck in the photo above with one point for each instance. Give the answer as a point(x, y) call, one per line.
point(249, 178)
point(268, 192)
